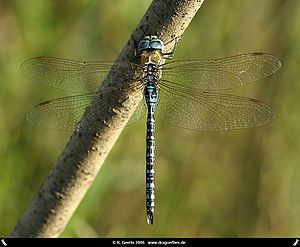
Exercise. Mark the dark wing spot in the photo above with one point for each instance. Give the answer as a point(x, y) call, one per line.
point(46, 102)
point(42, 58)
point(258, 53)
point(255, 100)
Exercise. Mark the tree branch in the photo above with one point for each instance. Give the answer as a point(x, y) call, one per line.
point(59, 196)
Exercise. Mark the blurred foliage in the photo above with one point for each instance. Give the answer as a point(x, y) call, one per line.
point(243, 183)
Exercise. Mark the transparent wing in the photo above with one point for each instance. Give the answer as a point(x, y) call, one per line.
point(60, 114)
point(73, 76)
point(64, 113)
point(224, 73)
point(198, 110)
point(139, 112)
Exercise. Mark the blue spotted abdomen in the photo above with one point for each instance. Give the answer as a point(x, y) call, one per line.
point(151, 96)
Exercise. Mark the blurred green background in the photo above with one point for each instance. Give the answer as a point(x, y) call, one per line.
point(243, 183)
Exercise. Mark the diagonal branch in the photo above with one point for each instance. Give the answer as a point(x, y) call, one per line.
point(66, 185)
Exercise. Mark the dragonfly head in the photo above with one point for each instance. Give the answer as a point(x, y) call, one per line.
point(152, 43)
point(151, 50)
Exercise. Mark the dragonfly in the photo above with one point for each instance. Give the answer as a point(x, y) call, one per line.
point(179, 92)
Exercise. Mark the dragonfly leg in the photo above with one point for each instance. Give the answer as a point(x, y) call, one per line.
point(136, 52)
point(170, 55)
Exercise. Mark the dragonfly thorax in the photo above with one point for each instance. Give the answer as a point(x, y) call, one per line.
point(152, 56)
point(152, 74)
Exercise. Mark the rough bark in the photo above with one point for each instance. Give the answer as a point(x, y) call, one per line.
point(59, 196)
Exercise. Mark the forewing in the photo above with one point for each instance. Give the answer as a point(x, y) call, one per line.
point(219, 74)
point(74, 76)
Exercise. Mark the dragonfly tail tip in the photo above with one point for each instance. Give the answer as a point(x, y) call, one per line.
point(150, 218)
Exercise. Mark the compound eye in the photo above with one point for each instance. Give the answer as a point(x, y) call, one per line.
point(144, 45)
point(157, 44)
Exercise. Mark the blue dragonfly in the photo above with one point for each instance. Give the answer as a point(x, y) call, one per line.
point(179, 92)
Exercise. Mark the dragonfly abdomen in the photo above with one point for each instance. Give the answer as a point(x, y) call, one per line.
point(151, 95)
